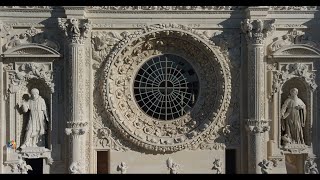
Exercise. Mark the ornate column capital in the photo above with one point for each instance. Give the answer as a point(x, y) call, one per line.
point(4, 29)
point(76, 128)
point(257, 30)
point(76, 30)
point(257, 126)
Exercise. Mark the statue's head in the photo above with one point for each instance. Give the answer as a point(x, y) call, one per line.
point(294, 92)
point(34, 93)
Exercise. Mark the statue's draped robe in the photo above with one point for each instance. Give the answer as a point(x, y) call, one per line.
point(294, 119)
point(36, 122)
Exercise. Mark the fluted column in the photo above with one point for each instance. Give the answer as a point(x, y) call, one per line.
point(256, 31)
point(76, 32)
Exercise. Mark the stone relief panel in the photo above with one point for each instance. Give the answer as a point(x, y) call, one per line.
point(174, 168)
point(167, 8)
point(127, 56)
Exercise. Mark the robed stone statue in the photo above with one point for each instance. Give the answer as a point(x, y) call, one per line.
point(36, 127)
point(293, 113)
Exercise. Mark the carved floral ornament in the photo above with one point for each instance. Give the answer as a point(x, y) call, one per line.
point(27, 71)
point(32, 35)
point(293, 36)
point(257, 30)
point(289, 71)
point(189, 131)
point(76, 30)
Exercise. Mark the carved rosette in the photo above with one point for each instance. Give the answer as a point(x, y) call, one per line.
point(256, 30)
point(188, 131)
point(257, 126)
point(76, 30)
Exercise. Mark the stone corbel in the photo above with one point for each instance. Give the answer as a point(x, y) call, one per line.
point(257, 126)
point(76, 30)
point(257, 30)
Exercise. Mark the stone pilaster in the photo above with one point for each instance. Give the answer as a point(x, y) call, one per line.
point(256, 31)
point(76, 32)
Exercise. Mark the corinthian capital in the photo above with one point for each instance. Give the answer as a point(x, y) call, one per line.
point(76, 30)
point(257, 30)
point(257, 126)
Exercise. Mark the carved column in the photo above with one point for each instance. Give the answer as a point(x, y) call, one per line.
point(256, 31)
point(76, 31)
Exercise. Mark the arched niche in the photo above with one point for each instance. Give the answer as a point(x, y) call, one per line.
point(29, 66)
point(292, 66)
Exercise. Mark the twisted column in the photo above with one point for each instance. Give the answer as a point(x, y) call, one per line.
point(76, 32)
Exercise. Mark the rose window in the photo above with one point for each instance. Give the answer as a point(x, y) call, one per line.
point(166, 87)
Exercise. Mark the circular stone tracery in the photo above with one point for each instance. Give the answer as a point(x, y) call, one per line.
point(166, 87)
point(210, 103)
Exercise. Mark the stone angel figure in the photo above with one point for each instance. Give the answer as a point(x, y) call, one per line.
point(266, 166)
point(122, 167)
point(172, 166)
point(310, 167)
point(217, 165)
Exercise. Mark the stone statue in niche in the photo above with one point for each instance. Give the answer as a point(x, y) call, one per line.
point(293, 115)
point(311, 167)
point(36, 125)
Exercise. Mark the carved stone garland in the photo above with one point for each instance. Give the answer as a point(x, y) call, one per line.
point(188, 131)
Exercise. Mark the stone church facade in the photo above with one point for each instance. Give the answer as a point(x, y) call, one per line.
point(159, 89)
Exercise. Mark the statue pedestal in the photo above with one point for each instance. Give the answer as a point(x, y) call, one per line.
point(36, 152)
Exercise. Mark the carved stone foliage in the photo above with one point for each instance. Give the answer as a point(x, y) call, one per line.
point(293, 8)
point(103, 42)
point(289, 71)
point(32, 35)
point(168, 8)
point(257, 126)
point(76, 128)
point(25, 72)
point(197, 128)
point(173, 167)
point(292, 37)
point(76, 30)
point(257, 30)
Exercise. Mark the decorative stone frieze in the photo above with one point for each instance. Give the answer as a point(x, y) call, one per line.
point(166, 8)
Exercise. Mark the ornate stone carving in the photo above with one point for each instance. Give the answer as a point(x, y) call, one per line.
point(217, 165)
point(257, 126)
point(26, 7)
point(75, 168)
point(76, 128)
point(257, 30)
point(289, 71)
point(37, 122)
point(310, 167)
point(103, 42)
point(167, 8)
point(28, 71)
point(293, 36)
point(5, 29)
point(293, 8)
point(185, 132)
point(122, 167)
point(32, 35)
point(266, 166)
point(76, 30)
point(173, 167)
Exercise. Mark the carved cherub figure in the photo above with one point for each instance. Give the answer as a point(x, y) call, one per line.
point(266, 166)
point(311, 167)
point(122, 167)
point(217, 165)
point(172, 166)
